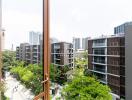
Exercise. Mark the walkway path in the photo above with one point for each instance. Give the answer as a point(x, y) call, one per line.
point(15, 90)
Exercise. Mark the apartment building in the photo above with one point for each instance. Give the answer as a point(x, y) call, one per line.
point(62, 54)
point(33, 54)
point(20, 52)
point(106, 57)
point(28, 53)
point(126, 28)
point(109, 58)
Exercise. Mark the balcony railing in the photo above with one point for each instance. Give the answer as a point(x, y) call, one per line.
point(99, 44)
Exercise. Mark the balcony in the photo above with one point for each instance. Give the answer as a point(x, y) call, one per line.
point(99, 69)
point(27, 48)
point(35, 51)
point(99, 43)
point(57, 59)
point(57, 56)
point(99, 61)
point(99, 51)
point(57, 51)
point(28, 51)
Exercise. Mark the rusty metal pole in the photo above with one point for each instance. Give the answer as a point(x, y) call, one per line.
point(46, 53)
point(46, 48)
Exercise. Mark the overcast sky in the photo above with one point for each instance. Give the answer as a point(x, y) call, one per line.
point(68, 18)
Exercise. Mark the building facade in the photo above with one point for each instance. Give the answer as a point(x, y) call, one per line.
point(28, 53)
point(121, 29)
point(21, 52)
point(62, 54)
point(107, 61)
point(33, 54)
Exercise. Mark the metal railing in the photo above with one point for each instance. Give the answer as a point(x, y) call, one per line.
point(43, 93)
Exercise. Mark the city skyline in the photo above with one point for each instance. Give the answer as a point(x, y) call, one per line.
point(89, 19)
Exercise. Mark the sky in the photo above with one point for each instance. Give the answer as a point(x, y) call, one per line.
point(68, 18)
point(19, 18)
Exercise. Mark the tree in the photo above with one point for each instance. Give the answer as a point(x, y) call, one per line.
point(31, 76)
point(86, 88)
point(58, 74)
point(2, 90)
point(85, 55)
point(8, 58)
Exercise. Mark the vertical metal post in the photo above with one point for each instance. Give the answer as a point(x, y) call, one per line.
point(46, 48)
point(46, 53)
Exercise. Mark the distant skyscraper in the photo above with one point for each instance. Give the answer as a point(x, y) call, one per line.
point(76, 43)
point(34, 38)
point(85, 43)
point(122, 28)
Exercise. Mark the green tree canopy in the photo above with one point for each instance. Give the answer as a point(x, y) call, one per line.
point(31, 76)
point(8, 58)
point(58, 74)
point(86, 88)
